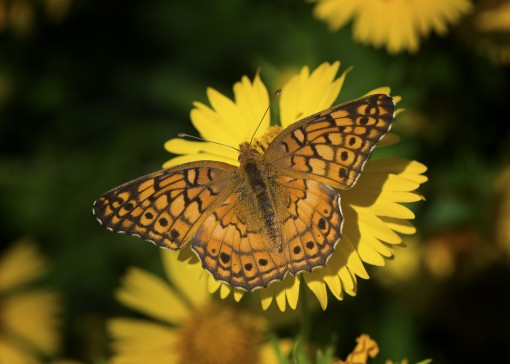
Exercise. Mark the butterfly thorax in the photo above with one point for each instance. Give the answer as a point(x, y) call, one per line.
point(255, 174)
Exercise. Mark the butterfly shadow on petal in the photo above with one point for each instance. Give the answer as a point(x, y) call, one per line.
point(364, 195)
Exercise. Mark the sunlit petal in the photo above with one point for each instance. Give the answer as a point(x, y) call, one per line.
point(190, 279)
point(33, 316)
point(19, 265)
point(397, 24)
point(140, 341)
point(151, 295)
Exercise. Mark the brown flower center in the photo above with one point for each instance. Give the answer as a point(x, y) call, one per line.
point(261, 143)
point(219, 333)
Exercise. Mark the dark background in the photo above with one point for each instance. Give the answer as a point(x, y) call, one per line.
point(89, 96)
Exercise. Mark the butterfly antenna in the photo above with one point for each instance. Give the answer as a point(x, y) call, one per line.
point(276, 93)
point(184, 135)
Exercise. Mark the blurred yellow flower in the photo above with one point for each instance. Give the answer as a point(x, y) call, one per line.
point(372, 209)
point(20, 15)
point(394, 24)
point(186, 323)
point(28, 316)
point(492, 22)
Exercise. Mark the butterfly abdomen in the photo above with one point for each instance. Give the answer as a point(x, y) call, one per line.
point(264, 201)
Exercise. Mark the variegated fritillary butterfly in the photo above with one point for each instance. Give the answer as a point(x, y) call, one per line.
point(276, 213)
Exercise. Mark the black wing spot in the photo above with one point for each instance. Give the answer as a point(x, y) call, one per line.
point(343, 173)
point(352, 140)
point(129, 206)
point(344, 155)
point(174, 234)
point(322, 225)
point(297, 250)
point(248, 266)
point(119, 200)
point(149, 215)
point(310, 244)
point(263, 262)
point(163, 222)
point(225, 258)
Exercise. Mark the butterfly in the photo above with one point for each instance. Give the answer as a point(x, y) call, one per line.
point(277, 213)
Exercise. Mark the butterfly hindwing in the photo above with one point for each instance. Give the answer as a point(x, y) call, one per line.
point(167, 206)
point(333, 145)
point(234, 247)
point(311, 222)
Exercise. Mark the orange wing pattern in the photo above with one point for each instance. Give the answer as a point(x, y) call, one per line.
point(165, 207)
point(235, 248)
point(311, 223)
point(333, 145)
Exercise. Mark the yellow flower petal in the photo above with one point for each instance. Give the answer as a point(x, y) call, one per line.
point(365, 350)
point(370, 256)
point(373, 223)
point(253, 100)
point(33, 316)
point(268, 354)
point(288, 292)
point(333, 282)
point(316, 285)
point(12, 354)
point(399, 225)
point(227, 122)
point(213, 285)
point(140, 341)
point(354, 261)
point(194, 151)
point(293, 293)
point(266, 296)
point(397, 24)
point(348, 281)
point(238, 294)
point(20, 265)
point(286, 288)
point(149, 294)
point(224, 290)
point(197, 157)
point(281, 300)
point(336, 14)
point(306, 94)
point(210, 124)
point(190, 279)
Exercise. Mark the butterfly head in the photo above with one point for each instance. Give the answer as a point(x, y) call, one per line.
point(247, 154)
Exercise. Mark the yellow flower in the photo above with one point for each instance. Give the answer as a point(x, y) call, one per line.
point(27, 316)
point(492, 25)
point(372, 208)
point(186, 324)
point(395, 24)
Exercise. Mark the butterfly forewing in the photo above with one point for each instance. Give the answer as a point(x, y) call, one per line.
point(166, 207)
point(333, 145)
